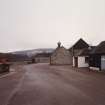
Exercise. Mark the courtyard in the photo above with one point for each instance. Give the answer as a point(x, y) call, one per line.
point(42, 84)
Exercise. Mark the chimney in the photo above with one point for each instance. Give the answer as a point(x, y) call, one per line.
point(59, 44)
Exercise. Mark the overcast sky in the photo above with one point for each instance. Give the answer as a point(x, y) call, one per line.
point(30, 24)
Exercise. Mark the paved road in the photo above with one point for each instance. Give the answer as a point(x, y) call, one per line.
point(42, 84)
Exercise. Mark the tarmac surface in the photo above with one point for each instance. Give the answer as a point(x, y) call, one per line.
point(42, 84)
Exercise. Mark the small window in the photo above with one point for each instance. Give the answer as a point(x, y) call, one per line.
point(86, 59)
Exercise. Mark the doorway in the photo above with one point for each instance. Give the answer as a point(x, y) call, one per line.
point(76, 61)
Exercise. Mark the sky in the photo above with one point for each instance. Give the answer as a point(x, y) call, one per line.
point(31, 24)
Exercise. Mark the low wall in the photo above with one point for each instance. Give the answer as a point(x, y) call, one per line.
point(94, 68)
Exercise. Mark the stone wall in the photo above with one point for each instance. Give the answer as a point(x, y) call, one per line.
point(42, 59)
point(61, 56)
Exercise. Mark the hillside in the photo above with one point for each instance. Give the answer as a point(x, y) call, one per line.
point(32, 52)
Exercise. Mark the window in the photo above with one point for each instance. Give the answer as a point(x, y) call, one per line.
point(86, 59)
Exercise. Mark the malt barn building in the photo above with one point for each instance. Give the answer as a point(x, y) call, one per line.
point(42, 57)
point(97, 57)
point(80, 53)
point(60, 56)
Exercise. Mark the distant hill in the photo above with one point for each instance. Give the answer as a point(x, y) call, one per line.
point(32, 52)
point(24, 55)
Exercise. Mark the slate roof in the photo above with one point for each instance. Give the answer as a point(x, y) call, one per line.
point(84, 52)
point(80, 44)
point(100, 49)
point(57, 49)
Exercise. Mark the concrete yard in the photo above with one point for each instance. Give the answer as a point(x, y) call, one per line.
point(42, 84)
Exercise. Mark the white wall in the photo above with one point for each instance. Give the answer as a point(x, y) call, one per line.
point(81, 62)
point(94, 68)
point(73, 62)
point(103, 62)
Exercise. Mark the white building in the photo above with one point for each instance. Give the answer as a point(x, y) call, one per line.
point(81, 59)
point(80, 54)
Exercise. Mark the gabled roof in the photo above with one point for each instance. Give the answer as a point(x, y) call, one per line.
point(84, 52)
point(61, 47)
point(87, 51)
point(100, 49)
point(80, 44)
point(58, 49)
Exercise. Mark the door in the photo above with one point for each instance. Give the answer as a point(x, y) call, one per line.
point(76, 61)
